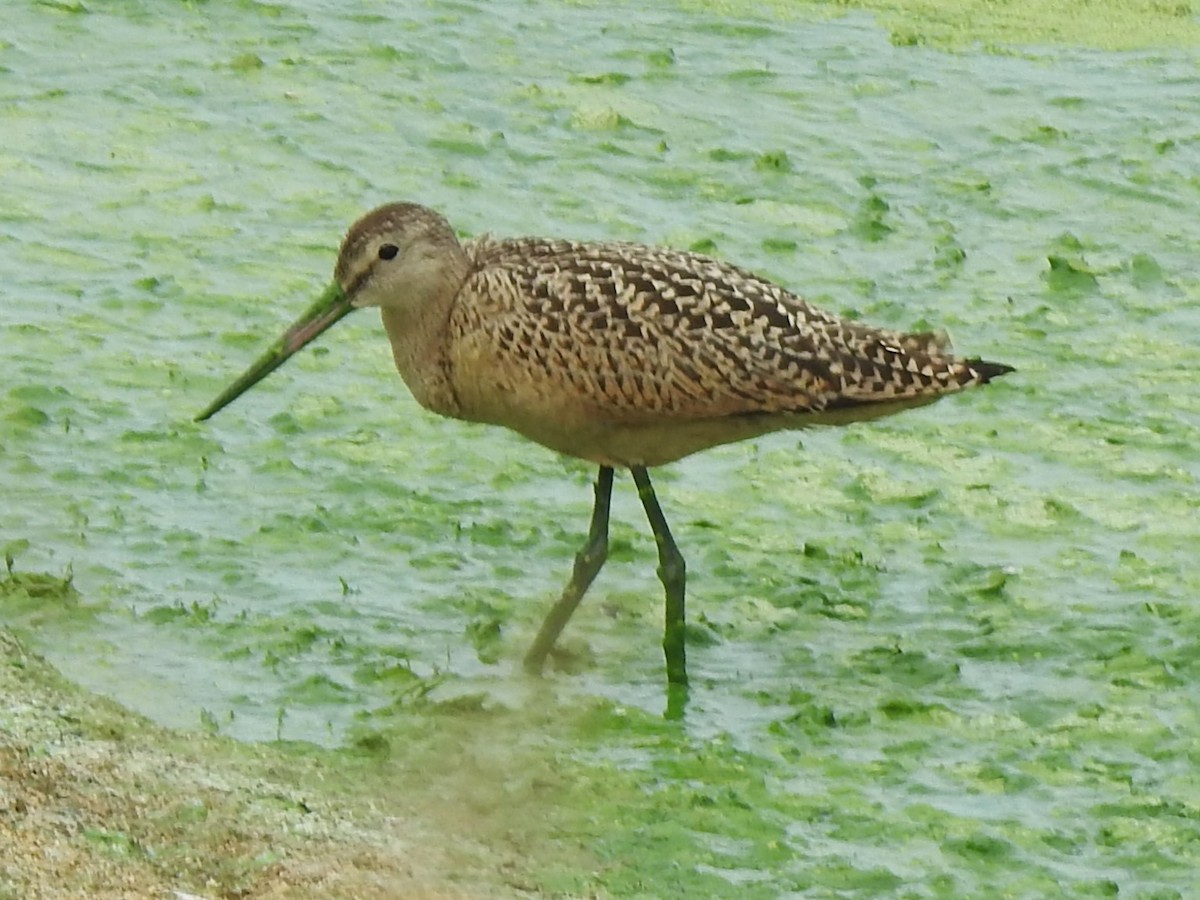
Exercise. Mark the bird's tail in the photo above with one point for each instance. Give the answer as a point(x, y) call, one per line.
point(985, 371)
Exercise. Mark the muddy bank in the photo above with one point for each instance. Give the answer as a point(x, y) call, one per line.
point(96, 801)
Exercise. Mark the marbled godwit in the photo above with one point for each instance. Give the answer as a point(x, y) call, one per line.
point(621, 354)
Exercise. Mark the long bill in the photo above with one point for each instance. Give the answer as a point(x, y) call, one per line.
point(331, 306)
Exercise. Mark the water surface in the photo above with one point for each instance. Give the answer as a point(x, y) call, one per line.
point(947, 650)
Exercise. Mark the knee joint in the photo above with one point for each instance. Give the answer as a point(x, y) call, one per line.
point(672, 567)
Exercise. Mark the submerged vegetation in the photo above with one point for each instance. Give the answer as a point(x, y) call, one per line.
point(933, 655)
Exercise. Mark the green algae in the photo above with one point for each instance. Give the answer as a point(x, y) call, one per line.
point(998, 27)
point(1114, 25)
point(934, 654)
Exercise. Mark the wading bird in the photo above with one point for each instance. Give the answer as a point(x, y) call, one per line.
point(625, 355)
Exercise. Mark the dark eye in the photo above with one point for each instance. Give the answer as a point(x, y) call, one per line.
point(388, 251)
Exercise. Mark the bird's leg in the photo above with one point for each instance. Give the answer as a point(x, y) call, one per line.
point(587, 563)
point(672, 572)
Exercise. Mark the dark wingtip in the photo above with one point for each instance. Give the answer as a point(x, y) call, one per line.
point(988, 370)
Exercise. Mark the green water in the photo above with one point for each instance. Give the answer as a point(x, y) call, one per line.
point(949, 654)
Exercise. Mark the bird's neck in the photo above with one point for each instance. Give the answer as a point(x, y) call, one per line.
point(418, 334)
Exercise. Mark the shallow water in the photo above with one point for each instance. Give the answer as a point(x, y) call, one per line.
point(946, 649)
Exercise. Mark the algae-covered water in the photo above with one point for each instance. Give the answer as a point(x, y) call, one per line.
point(948, 654)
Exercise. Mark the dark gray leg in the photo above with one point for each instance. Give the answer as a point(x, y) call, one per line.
point(587, 563)
point(672, 572)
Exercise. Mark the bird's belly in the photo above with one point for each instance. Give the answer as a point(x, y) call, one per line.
point(658, 443)
point(613, 438)
point(609, 442)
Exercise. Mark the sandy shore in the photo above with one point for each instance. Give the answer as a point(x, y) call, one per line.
point(98, 802)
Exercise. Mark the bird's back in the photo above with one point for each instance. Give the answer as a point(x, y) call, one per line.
point(612, 342)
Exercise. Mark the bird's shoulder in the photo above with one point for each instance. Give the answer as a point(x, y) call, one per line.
point(544, 276)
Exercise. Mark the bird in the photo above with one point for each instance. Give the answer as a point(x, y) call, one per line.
point(626, 355)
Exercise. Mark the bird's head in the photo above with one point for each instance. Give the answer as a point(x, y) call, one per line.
point(394, 257)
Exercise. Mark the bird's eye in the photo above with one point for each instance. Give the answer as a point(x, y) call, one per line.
point(388, 251)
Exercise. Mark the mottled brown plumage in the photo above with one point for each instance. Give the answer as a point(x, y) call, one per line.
point(630, 355)
point(618, 353)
